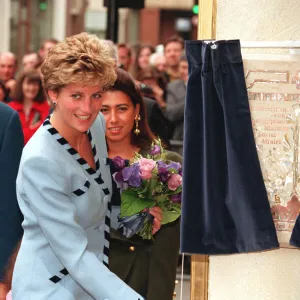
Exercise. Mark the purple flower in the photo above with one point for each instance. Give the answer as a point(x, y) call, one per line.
point(119, 163)
point(155, 150)
point(164, 176)
point(163, 172)
point(120, 180)
point(132, 175)
point(161, 164)
point(174, 165)
point(176, 198)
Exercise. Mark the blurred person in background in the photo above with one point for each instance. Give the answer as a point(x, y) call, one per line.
point(176, 93)
point(4, 93)
point(158, 61)
point(11, 145)
point(124, 57)
point(112, 47)
point(8, 69)
point(173, 49)
point(30, 102)
point(45, 47)
point(152, 85)
point(30, 61)
point(142, 59)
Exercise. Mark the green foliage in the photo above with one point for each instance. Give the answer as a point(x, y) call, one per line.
point(133, 204)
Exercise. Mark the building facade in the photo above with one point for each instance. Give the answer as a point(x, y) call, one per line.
point(27, 23)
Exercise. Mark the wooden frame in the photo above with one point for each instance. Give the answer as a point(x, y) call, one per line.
point(200, 263)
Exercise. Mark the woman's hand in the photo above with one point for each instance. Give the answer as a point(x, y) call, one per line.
point(156, 212)
point(158, 95)
point(3, 291)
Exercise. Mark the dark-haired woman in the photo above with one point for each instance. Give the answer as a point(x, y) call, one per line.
point(30, 102)
point(149, 267)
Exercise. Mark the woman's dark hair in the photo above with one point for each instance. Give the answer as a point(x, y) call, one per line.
point(5, 91)
point(126, 84)
point(32, 77)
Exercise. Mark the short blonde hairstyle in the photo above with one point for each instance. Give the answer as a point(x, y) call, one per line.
point(80, 59)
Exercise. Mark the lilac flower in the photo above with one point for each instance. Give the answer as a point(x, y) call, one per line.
point(155, 150)
point(161, 164)
point(176, 198)
point(174, 165)
point(119, 163)
point(132, 175)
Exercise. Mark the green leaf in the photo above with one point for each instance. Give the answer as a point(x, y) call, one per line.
point(177, 191)
point(161, 198)
point(131, 204)
point(170, 216)
point(151, 187)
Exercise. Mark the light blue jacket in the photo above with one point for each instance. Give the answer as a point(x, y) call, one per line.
point(61, 255)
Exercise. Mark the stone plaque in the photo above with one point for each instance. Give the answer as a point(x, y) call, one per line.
point(273, 83)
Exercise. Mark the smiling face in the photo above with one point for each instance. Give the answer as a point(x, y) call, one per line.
point(30, 89)
point(76, 107)
point(119, 113)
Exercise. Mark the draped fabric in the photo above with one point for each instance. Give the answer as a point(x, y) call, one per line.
point(225, 206)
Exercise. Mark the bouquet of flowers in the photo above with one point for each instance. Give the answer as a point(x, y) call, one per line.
point(147, 182)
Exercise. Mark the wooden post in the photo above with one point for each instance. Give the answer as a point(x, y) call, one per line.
point(207, 19)
point(200, 263)
point(199, 277)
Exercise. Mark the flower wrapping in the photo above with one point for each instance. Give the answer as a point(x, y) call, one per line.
point(147, 182)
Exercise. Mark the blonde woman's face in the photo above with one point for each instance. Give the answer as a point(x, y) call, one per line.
point(77, 106)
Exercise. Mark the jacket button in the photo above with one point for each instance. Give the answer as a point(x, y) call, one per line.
point(132, 248)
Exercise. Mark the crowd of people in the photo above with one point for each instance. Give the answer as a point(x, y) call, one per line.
point(59, 186)
point(161, 76)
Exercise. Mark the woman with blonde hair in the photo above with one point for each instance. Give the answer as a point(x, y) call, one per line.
point(64, 184)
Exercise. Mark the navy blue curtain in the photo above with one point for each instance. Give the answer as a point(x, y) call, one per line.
point(295, 237)
point(225, 207)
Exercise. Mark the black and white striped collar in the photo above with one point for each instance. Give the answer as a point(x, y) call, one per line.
point(64, 143)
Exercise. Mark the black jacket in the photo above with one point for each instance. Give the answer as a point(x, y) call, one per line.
point(158, 123)
point(11, 145)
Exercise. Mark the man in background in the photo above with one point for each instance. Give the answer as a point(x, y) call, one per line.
point(30, 61)
point(124, 57)
point(45, 47)
point(8, 68)
point(176, 93)
point(173, 49)
point(11, 145)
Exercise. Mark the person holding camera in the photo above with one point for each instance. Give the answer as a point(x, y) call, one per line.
point(153, 85)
